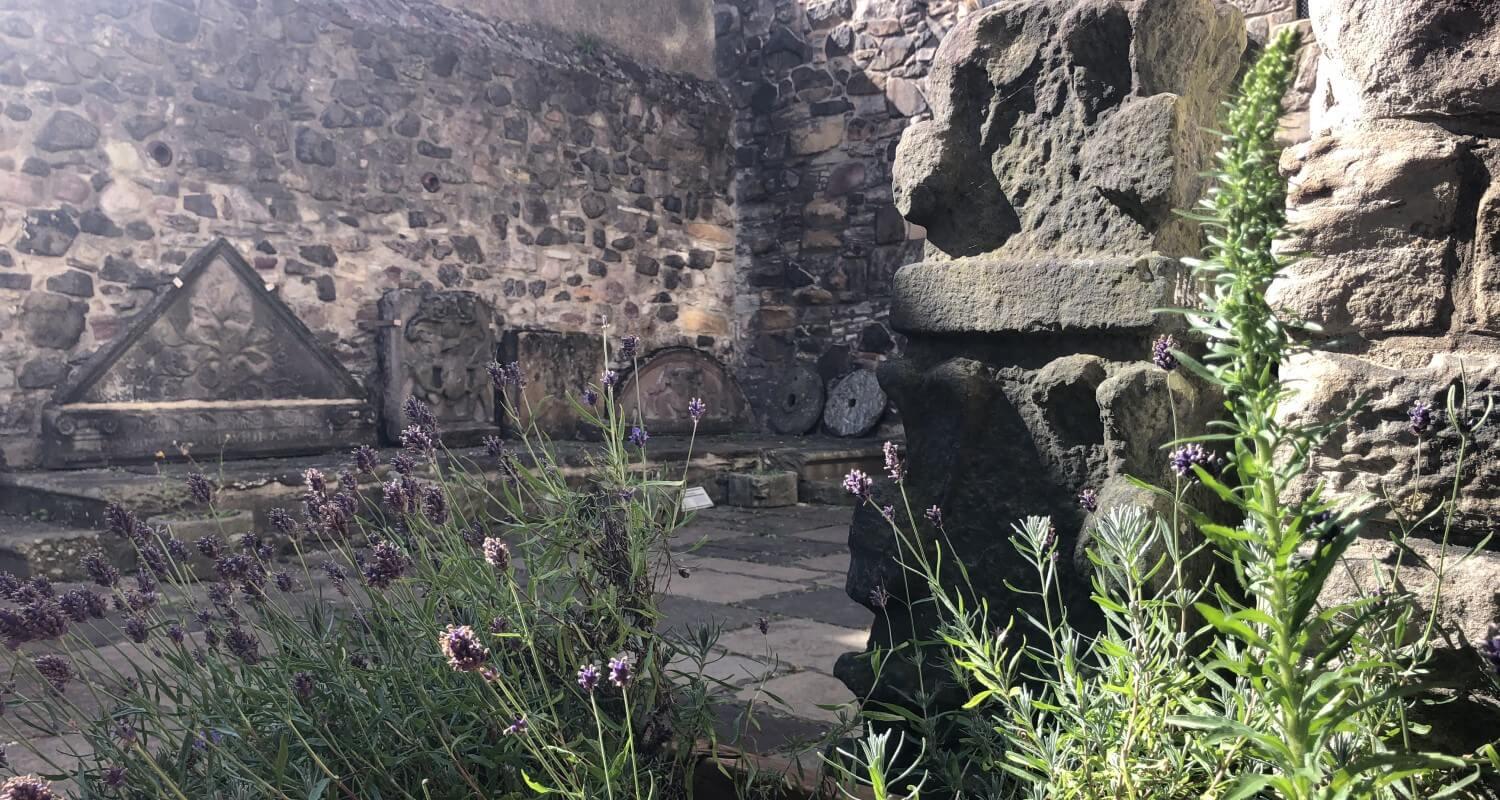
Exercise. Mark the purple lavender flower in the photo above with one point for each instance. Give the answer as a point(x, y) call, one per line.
point(54, 669)
point(763, 624)
point(1490, 648)
point(417, 439)
point(630, 346)
point(590, 397)
point(638, 437)
point(243, 645)
point(610, 378)
point(418, 413)
point(316, 483)
point(200, 488)
point(503, 375)
point(136, 629)
point(120, 520)
point(386, 565)
point(303, 686)
point(588, 677)
point(696, 409)
point(1088, 500)
point(516, 728)
point(858, 484)
point(400, 495)
point(403, 464)
point(99, 570)
point(1184, 458)
point(209, 546)
point(619, 672)
point(80, 604)
point(499, 625)
point(493, 446)
point(27, 787)
point(893, 465)
point(463, 648)
point(879, 597)
point(1161, 352)
point(284, 582)
point(366, 460)
point(125, 733)
point(39, 620)
point(889, 512)
point(282, 521)
point(1420, 417)
point(10, 584)
point(176, 633)
point(435, 505)
point(496, 554)
point(113, 776)
point(336, 576)
point(177, 549)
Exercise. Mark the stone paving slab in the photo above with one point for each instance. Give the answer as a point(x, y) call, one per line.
point(809, 693)
point(804, 643)
point(829, 604)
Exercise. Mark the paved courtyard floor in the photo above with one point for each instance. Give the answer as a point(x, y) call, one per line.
point(785, 566)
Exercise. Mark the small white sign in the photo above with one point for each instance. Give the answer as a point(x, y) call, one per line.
point(696, 499)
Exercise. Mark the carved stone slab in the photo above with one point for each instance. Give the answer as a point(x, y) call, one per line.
point(558, 367)
point(669, 380)
point(797, 401)
point(434, 347)
point(217, 363)
point(855, 404)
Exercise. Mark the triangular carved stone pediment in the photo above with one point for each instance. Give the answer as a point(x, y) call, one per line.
point(217, 362)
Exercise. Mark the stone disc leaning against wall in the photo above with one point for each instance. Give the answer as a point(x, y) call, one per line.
point(855, 405)
point(796, 401)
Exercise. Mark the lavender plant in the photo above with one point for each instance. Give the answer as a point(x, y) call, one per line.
point(476, 627)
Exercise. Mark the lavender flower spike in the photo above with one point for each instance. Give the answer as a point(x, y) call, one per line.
point(1161, 352)
point(639, 437)
point(27, 787)
point(1420, 417)
point(696, 409)
point(858, 484)
point(462, 647)
point(893, 465)
point(588, 677)
point(619, 672)
point(1184, 458)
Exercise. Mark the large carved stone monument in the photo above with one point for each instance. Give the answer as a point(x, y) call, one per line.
point(434, 347)
point(217, 365)
point(1064, 133)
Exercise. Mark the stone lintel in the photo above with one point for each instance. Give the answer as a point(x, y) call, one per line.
point(1060, 295)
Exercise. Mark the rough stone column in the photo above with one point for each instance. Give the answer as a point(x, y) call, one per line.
point(1063, 134)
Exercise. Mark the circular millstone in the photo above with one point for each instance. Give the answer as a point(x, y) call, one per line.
point(855, 405)
point(797, 402)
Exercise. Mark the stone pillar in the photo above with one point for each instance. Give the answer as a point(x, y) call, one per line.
point(1063, 134)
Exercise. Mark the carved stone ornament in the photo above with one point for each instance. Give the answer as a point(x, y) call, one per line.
point(435, 347)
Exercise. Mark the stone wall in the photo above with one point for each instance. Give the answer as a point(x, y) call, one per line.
point(346, 148)
point(821, 92)
point(1394, 200)
point(1264, 16)
point(676, 35)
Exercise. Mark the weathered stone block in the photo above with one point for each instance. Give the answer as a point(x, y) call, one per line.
point(761, 489)
point(1040, 296)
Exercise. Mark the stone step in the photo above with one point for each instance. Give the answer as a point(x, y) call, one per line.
point(34, 545)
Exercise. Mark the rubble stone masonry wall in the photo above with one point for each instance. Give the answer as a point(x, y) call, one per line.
point(346, 148)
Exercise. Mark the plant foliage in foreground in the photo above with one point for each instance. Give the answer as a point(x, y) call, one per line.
point(466, 630)
point(1275, 694)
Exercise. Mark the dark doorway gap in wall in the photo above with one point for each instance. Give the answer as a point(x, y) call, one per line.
point(1302, 12)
